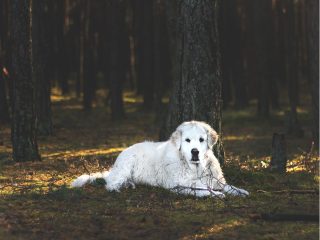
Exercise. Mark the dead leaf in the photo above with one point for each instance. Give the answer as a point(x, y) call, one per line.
point(153, 195)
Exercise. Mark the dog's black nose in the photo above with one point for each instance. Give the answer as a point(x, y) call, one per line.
point(194, 151)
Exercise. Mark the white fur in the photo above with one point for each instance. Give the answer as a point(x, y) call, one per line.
point(169, 165)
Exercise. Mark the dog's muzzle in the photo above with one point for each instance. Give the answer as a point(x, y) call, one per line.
point(195, 155)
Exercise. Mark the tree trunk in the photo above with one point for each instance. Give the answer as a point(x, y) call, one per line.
point(292, 59)
point(148, 57)
point(115, 76)
point(41, 71)
point(224, 45)
point(280, 52)
point(62, 42)
point(158, 71)
point(236, 56)
point(261, 26)
point(23, 131)
point(89, 68)
point(279, 153)
point(4, 108)
point(171, 121)
point(138, 19)
point(273, 87)
point(312, 7)
point(199, 80)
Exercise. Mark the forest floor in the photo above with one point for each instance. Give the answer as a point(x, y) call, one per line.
point(37, 202)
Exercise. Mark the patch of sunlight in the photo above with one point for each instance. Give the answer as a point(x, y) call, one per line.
point(56, 95)
point(165, 100)
point(133, 100)
point(229, 224)
point(243, 137)
point(71, 107)
point(88, 152)
point(302, 110)
point(299, 110)
point(58, 98)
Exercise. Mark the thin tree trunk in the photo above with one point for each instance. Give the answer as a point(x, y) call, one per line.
point(23, 129)
point(273, 87)
point(138, 18)
point(115, 52)
point(199, 96)
point(224, 45)
point(313, 59)
point(236, 57)
point(171, 121)
point(89, 74)
point(158, 73)
point(148, 58)
point(292, 60)
point(62, 35)
point(280, 52)
point(261, 26)
point(4, 108)
point(40, 52)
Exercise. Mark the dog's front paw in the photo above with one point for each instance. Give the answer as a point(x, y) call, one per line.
point(235, 191)
point(217, 194)
point(243, 193)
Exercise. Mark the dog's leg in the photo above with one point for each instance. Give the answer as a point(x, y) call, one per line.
point(235, 191)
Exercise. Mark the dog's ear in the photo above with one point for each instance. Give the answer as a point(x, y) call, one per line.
point(212, 137)
point(176, 139)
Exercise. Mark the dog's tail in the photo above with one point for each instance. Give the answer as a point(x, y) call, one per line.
point(84, 179)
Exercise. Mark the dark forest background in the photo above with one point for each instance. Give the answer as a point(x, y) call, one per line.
point(265, 48)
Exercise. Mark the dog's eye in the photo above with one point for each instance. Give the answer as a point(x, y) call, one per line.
point(187, 139)
point(201, 139)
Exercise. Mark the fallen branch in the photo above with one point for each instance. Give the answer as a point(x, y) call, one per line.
point(291, 192)
point(284, 217)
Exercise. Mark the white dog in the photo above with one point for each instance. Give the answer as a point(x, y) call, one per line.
point(185, 163)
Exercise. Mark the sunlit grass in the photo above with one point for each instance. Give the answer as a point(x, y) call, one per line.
point(87, 152)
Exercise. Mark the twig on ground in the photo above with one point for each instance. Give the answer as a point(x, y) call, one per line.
point(291, 192)
point(284, 217)
point(84, 165)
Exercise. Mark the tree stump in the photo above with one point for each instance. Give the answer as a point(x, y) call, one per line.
point(291, 126)
point(279, 153)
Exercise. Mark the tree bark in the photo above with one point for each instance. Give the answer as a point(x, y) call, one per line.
point(62, 42)
point(261, 26)
point(280, 70)
point(138, 19)
point(4, 108)
point(23, 130)
point(292, 59)
point(234, 55)
point(148, 57)
point(171, 121)
point(115, 76)
point(312, 7)
point(279, 153)
point(158, 73)
point(89, 63)
point(41, 70)
point(199, 80)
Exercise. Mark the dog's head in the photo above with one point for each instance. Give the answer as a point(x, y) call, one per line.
point(193, 139)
